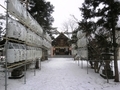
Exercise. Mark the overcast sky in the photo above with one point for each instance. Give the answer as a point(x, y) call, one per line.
point(63, 11)
point(2, 3)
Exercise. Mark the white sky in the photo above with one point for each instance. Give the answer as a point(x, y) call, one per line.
point(2, 3)
point(64, 9)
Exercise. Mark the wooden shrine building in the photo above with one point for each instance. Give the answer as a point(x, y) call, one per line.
point(61, 45)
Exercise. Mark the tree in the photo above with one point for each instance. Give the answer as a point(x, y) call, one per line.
point(41, 12)
point(69, 26)
point(106, 13)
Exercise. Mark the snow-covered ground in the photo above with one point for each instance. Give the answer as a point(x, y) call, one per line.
point(61, 74)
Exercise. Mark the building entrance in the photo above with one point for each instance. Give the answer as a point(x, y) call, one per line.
point(62, 51)
point(61, 45)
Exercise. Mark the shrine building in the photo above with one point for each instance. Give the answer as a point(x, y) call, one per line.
point(61, 45)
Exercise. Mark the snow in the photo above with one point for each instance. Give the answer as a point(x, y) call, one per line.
point(61, 74)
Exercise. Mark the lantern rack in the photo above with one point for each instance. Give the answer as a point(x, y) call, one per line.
point(23, 40)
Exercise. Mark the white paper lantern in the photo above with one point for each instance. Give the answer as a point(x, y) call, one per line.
point(28, 53)
point(23, 32)
point(16, 47)
point(13, 31)
point(80, 34)
point(83, 53)
point(12, 53)
point(24, 52)
point(82, 42)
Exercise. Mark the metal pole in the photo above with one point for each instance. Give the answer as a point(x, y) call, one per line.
point(26, 50)
point(35, 67)
point(78, 61)
point(79, 56)
point(25, 74)
point(6, 70)
point(87, 66)
point(40, 64)
point(81, 63)
point(25, 64)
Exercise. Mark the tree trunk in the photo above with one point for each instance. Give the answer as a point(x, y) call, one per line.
point(114, 45)
point(96, 66)
point(116, 66)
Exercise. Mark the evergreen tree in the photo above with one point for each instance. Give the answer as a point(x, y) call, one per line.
point(41, 11)
point(106, 12)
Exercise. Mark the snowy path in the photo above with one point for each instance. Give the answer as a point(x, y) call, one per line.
point(61, 74)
